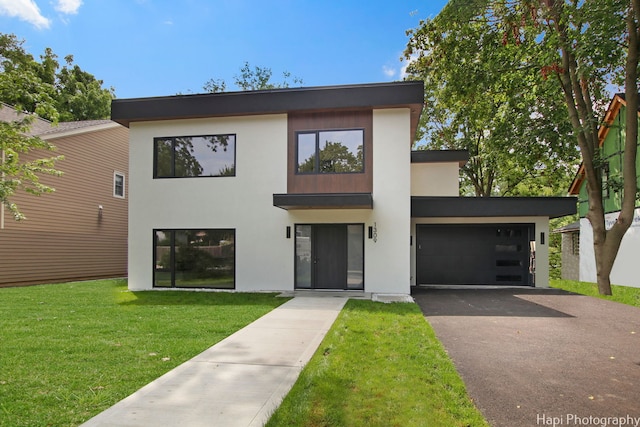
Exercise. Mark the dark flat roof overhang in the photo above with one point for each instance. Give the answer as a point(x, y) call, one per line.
point(323, 201)
point(440, 156)
point(322, 98)
point(435, 207)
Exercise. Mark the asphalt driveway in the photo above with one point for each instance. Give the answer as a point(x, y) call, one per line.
point(533, 357)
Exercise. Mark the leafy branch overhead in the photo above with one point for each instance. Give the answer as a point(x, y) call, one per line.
point(19, 174)
point(489, 99)
point(53, 93)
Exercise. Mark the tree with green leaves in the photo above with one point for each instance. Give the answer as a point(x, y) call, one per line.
point(16, 174)
point(50, 92)
point(580, 48)
point(488, 99)
point(256, 78)
point(80, 95)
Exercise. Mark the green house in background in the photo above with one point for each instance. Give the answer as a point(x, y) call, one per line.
point(612, 136)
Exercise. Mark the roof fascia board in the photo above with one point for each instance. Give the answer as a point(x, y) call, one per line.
point(290, 201)
point(436, 207)
point(78, 131)
point(375, 95)
point(440, 156)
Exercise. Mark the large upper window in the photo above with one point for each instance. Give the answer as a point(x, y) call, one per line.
point(194, 258)
point(330, 151)
point(190, 156)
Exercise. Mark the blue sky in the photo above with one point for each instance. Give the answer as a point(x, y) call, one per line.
point(163, 47)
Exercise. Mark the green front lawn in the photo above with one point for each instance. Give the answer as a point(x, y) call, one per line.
point(622, 294)
point(379, 365)
point(69, 351)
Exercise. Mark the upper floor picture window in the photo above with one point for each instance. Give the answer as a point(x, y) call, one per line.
point(192, 156)
point(118, 184)
point(330, 151)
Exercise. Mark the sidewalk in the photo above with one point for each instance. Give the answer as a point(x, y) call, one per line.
point(238, 382)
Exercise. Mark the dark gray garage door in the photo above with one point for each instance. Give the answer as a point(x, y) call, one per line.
point(496, 254)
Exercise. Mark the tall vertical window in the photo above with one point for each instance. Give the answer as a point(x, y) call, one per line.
point(330, 151)
point(355, 256)
point(194, 258)
point(118, 185)
point(194, 156)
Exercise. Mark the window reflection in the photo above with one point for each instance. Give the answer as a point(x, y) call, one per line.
point(306, 152)
point(339, 151)
point(193, 156)
point(195, 258)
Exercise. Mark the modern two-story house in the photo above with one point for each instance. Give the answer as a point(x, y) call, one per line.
point(611, 136)
point(314, 188)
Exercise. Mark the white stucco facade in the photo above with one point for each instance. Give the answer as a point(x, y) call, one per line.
point(264, 255)
point(242, 202)
point(435, 179)
point(292, 226)
point(625, 267)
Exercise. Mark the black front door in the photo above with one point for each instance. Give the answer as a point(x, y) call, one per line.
point(330, 256)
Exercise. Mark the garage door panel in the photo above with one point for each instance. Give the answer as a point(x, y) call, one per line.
point(496, 254)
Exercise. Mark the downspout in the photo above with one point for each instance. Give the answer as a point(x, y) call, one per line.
point(2, 180)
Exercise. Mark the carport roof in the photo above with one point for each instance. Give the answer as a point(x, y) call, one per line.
point(434, 207)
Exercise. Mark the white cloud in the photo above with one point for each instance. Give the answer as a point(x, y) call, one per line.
point(69, 7)
point(26, 10)
point(388, 71)
point(403, 71)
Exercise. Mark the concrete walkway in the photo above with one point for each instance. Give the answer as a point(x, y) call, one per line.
point(238, 382)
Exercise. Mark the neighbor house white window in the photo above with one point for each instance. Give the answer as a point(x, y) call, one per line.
point(118, 185)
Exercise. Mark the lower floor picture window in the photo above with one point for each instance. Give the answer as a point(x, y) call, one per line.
point(194, 258)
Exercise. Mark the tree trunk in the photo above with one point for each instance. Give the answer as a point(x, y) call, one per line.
point(607, 243)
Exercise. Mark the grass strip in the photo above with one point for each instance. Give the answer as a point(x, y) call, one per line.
point(623, 294)
point(71, 350)
point(379, 365)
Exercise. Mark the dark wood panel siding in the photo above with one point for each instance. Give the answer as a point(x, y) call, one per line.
point(331, 183)
point(64, 237)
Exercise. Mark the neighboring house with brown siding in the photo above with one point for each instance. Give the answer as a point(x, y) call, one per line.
point(79, 231)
